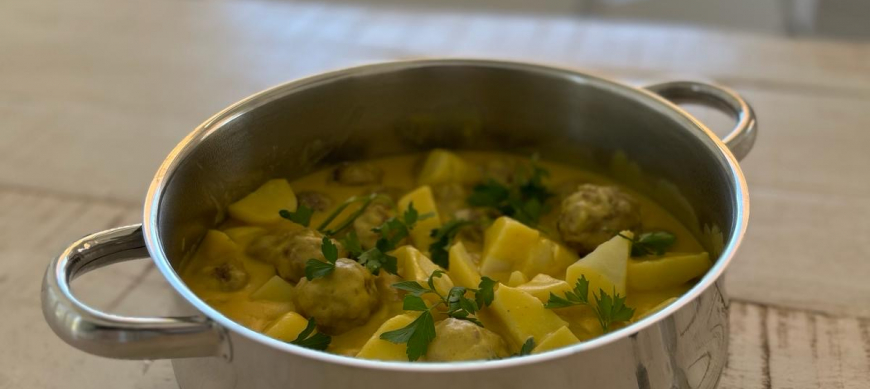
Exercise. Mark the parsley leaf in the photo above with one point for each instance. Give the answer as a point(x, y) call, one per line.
point(651, 243)
point(417, 335)
point(608, 309)
point(612, 310)
point(392, 232)
point(414, 303)
point(351, 243)
point(485, 292)
point(318, 341)
point(377, 258)
point(527, 348)
point(443, 238)
point(523, 200)
point(488, 194)
point(410, 216)
point(421, 331)
point(301, 216)
point(315, 268)
point(411, 287)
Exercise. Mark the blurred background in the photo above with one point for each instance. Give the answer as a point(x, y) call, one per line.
point(95, 93)
point(831, 19)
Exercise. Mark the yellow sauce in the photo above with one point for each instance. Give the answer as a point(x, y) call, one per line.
point(400, 172)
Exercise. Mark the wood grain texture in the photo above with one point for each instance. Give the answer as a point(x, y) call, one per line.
point(777, 348)
point(34, 228)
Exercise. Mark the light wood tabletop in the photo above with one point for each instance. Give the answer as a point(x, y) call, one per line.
point(94, 94)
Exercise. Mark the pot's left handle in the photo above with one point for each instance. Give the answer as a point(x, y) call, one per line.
point(114, 336)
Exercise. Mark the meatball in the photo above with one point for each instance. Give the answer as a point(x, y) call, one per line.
point(229, 276)
point(461, 340)
point(342, 300)
point(375, 214)
point(288, 251)
point(315, 200)
point(357, 173)
point(593, 214)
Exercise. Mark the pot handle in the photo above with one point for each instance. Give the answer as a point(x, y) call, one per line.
point(114, 336)
point(742, 137)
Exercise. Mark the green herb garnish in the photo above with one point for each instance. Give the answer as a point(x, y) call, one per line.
point(443, 237)
point(523, 200)
point(608, 310)
point(351, 243)
point(302, 215)
point(392, 232)
point(417, 335)
point(318, 341)
point(527, 348)
point(365, 200)
point(315, 268)
point(421, 331)
point(651, 243)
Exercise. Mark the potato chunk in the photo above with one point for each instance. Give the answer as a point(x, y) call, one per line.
point(506, 247)
point(605, 268)
point(442, 167)
point(550, 258)
point(287, 327)
point(262, 205)
point(510, 246)
point(377, 348)
point(276, 289)
point(523, 316)
point(542, 285)
point(461, 340)
point(243, 236)
point(462, 271)
point(517, 278)
point(560, 338)
point(424, 203)
point(416, 266)
point(668, 271)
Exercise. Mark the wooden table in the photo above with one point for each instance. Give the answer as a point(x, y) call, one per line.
point(93, 94)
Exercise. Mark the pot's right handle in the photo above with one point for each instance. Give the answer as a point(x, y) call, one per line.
point(114, 336)
point(742, 137)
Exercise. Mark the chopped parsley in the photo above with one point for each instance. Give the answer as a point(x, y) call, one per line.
point(527, 348)
point(443, 237)
point(315, 268)
point(421, 331)
point(302, 215)
point(391, 232)
point(651, 243)
point(523, 200)
point(608, 310)
point(318, 341)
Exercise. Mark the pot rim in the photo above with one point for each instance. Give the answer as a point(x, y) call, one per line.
point(216, 122)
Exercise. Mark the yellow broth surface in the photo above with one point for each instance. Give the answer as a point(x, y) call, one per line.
point(226, 275)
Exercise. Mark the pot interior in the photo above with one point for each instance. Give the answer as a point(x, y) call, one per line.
point(398, 108)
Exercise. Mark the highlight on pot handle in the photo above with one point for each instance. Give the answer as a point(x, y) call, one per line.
point(114, 336)
point(742, 137)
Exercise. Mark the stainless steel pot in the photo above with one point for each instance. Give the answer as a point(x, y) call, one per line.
point(636, 134)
